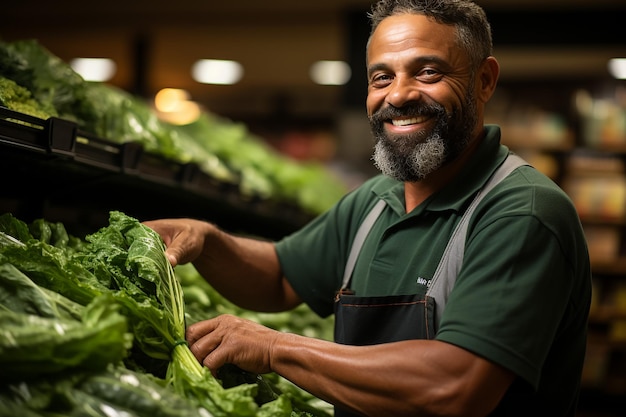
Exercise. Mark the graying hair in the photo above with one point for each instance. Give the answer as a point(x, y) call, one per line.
point(472, 27)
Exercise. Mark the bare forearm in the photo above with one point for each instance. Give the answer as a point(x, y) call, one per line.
point(244, 270)
point(404, 378)
point(407, 378)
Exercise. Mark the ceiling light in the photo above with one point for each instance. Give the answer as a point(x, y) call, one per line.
point(217, 71)
point(187, 112)
point(174, 106)
point(617, 68)
point(94, 69)
point(169, 99)
point(330, 72)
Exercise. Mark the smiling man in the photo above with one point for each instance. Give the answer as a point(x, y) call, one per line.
point(459, 277)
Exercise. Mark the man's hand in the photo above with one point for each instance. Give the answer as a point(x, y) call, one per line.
point(184, 238)
point(229, 339)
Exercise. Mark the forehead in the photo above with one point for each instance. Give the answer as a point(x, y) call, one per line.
point(404, 32)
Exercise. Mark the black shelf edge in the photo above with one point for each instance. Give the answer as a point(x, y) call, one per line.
point(60, 166)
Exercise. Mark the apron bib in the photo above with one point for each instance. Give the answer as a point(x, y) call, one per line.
point(371, 320)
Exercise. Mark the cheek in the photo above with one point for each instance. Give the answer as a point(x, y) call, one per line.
point(458, 93)
point(373, 102)
point(451, 98)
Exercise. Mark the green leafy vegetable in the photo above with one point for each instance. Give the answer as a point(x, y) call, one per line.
point(38, 82)
point(122, 389)
point(50, 80)
point(32, 346)
point(53, 268)
point(87, 325)
point(18, 98)
point(135, 256)
point(19, 294)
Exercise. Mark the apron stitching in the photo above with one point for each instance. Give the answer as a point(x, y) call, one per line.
point(385, 305)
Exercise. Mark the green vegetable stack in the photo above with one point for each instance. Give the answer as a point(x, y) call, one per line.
point(96, 327)
point(36, 82)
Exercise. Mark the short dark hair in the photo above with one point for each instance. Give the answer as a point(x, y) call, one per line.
point(472, 26)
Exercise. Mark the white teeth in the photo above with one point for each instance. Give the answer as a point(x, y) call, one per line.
point(406, 122)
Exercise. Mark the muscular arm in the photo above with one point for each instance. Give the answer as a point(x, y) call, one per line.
point(408, 378)
point(244, 270)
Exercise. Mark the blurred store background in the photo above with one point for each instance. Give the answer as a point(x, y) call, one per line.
point(554, 56)
point(297, 81)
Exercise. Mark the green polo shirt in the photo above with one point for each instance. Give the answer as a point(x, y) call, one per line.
point(522, 296)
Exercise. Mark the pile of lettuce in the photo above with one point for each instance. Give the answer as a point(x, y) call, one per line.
point(36, 82)
point(95, 327)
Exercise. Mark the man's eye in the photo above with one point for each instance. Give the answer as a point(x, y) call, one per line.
point(381, 79)
point(429, 75)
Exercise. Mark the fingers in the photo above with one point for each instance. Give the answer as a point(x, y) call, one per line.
point(161, 227)
point(172, 255)
point(204, 339)
point(168, 232)
point(182, 238)
point(201, 329)
point(230, 339)
point(206, 351)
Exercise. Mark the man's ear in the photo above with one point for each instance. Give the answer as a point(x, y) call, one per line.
point(487, 78)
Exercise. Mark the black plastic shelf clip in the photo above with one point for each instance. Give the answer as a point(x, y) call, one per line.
point(61, 136)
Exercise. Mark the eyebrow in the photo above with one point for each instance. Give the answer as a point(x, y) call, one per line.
point(420, 60)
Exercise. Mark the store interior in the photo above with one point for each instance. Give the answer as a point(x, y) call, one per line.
point(558, 103)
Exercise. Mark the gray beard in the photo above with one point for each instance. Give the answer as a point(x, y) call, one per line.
point(404, 162)
point(425, 158)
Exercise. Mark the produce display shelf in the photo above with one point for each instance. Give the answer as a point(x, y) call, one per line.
point(59, 171)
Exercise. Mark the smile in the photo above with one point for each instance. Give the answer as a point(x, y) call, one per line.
point(411, 121)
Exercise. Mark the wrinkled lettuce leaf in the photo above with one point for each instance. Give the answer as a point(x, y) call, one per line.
point(32, 346)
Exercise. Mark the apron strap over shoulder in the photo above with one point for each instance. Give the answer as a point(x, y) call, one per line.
point(452, 259)
point(359, 239)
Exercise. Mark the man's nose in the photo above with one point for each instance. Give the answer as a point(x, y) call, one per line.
point(402, 92)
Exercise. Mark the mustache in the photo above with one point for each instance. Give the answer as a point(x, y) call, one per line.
point(410, 110)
